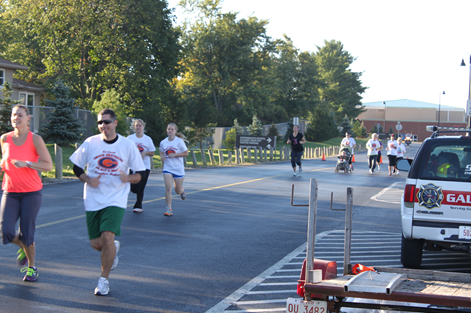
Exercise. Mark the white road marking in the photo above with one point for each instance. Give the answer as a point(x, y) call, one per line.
point(389, 194)
point(257, 281)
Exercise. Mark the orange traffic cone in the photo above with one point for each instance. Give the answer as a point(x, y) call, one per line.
point(381, 160)
point(323, 156)
point(358, 268)
point(353, 158)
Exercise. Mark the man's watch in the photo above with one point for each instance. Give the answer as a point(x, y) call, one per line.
point(29, 164)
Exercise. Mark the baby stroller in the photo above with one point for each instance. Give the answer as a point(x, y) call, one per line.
point(343, 162)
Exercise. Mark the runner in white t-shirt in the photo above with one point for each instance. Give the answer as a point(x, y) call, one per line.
point(172, 151)
point(373, 146)
point(108, 158)
point(401, 149)
point(348, 141)
point(147, 149)
point(392, 154)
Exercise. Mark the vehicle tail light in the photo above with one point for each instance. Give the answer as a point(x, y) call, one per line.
point(409, 195)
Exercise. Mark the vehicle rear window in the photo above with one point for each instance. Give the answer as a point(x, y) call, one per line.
point(446, 160)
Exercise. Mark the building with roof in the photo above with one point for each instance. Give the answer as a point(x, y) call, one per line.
point(26, 92)
point(412, 115)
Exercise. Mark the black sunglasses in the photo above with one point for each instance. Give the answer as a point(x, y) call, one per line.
point(105, 121)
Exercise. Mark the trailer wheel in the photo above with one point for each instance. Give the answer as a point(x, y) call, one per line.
point(411, 252)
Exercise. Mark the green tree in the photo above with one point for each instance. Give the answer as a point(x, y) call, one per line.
point(198, 135)
point(95, 46)
point(322, 125)
point(231, 137)
point(391, 130)
point(6, 105)
point(110, 99)
point(273, 131)
point(356, 129)
point(346, 125)
point(237, 127)
point(224, 59)
point(296, 84)
point(364, 132)
point(256, 128)
point(341, 88)
point(374, 129)
point(63, 127)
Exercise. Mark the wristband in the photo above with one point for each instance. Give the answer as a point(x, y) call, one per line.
point(29, 164)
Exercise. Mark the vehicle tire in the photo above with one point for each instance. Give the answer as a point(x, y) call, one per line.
point(411, 252)
point(336, 169)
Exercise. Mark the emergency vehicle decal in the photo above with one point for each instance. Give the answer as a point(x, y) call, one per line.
point(430, 196)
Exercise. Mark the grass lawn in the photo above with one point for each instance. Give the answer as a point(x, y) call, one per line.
point(68, 150)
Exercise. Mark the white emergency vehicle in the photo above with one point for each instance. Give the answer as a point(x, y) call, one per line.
point(436, 204)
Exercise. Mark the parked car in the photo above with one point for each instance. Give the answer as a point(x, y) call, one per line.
point(436, 204)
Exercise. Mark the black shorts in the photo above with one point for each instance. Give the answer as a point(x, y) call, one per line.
point(392, 160)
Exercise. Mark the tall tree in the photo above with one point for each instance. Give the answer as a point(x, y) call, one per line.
point(322, 125)
point(342, 87)
point(6, 104)
point(223, 60)
point(63, 128)
point(110, 99)
point(94, 46)
point(256, 128)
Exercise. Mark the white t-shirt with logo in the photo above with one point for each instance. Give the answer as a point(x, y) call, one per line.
point(144, 144)
point(373, 146)
point(392, 147)
point(107, 160)
point(401, 149)
point(173, 165)
point(348, 142)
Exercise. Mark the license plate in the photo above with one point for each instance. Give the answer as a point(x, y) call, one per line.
point(294, 305)
point(465, 232)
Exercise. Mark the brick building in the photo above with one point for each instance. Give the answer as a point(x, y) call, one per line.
point(412, 115)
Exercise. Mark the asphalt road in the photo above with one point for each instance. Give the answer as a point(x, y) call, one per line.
point(235, 223)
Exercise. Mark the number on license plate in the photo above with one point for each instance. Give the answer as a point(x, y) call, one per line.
point(300, 306)
point(465, 232)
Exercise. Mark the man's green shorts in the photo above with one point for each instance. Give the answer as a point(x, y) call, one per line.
point(107, 219)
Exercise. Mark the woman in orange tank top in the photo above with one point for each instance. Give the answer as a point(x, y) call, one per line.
point(23, 154)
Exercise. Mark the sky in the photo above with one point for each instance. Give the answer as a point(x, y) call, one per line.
point(405, 49)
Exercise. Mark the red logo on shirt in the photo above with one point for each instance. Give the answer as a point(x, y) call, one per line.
point(170, 151)
point(141, 148)
point(108, 162)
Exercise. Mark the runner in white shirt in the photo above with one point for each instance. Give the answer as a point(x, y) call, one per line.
point(172, 151)
point(348, 141)
point(146, 148)
point(108, 158)
point(401, 149)
point(373, 145)
point(392, 154)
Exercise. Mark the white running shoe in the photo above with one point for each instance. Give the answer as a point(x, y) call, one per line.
point(294, 174)
point(397, 172)
point(116, 257)
point(103, 287)
point(137, 210)
point(378, 168)
point(300, 170)
point(371, 172)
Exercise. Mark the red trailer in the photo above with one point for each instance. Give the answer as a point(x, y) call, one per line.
point(394, 289)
